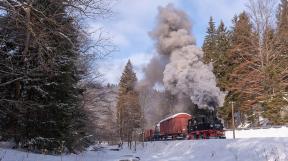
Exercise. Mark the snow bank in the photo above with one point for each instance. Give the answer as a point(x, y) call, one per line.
point(260, 149)
point(218, 150)
point(258, 133)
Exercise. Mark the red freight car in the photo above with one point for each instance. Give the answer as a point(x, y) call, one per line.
point(174, 126)
point(148, 135)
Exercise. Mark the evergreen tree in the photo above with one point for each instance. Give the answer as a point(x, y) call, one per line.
point(254, 80)
point(216, 44)
point(223, 43)
point(211, 55)
point(39, 98)
point(209, 44)
point(238, 67)
point(215, 47)
point(128, 106)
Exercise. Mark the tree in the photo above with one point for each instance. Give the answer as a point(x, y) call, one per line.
point(270, 57)
point(128, 107)
point(41, 45)
point(238, 66)
point(100, 102)
point(258, 69)
point(209, 44)
point(257, 77)
point(211, 55)
point(281, 41)
point(216, 45)
point(220, 65)
point(275, 105)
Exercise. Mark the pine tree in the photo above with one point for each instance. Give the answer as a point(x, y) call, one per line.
point(209, 44)
point(221, 66)
point(128, 107)
point(255, 79)
point(223, 43)
point(238, 68)
point(283, 37)
point(216, 44)
point(39, 97)
point(211, 55)
point(215, 47)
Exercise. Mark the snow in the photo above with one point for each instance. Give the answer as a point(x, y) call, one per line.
point(270, 145)
point(260, 149)
point(258, 133)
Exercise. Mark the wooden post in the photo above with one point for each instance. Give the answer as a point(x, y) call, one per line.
point(233, 121)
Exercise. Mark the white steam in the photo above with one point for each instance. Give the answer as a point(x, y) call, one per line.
point(187, 74)
point(178, 65)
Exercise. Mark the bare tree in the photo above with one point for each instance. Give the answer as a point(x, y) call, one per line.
point(100, 102)
point(262, 14)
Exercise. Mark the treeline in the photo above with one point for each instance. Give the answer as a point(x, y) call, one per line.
point(250, 62)
point(44, 56)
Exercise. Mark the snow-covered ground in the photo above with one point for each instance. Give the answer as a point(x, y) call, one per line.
point(258, 133)
point(262, 149)
point(272, 148)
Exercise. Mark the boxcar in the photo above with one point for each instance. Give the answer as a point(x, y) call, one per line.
point(175, 126)
point(148, 135)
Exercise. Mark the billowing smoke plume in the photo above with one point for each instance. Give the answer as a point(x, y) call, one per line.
point(184, 75)
point(187, 74)
point(153, 72)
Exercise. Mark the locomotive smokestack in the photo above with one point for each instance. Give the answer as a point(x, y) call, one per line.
point(184, 72)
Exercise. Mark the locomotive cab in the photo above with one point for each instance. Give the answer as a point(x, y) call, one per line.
point(203, 123)
point(198, 123)
point(205, 127)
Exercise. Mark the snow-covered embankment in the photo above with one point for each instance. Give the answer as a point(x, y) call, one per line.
point(258, 133)
point(260, 149)
point(250, 145)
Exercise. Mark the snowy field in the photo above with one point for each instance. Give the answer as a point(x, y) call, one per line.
point(262, 149)
point(274, 148)
point(258, 133)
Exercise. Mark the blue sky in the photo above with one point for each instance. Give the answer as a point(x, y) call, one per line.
point(132, 20)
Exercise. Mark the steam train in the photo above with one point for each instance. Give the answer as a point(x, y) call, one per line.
point(185, 126)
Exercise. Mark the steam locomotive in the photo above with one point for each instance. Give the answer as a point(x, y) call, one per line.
point(185, 126)
point(202, 127)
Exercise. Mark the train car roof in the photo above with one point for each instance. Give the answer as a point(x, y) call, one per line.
point(173, 116)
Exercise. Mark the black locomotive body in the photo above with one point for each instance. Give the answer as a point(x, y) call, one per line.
point(205, 125)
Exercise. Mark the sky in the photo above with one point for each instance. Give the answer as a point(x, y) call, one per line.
point(132, 20)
